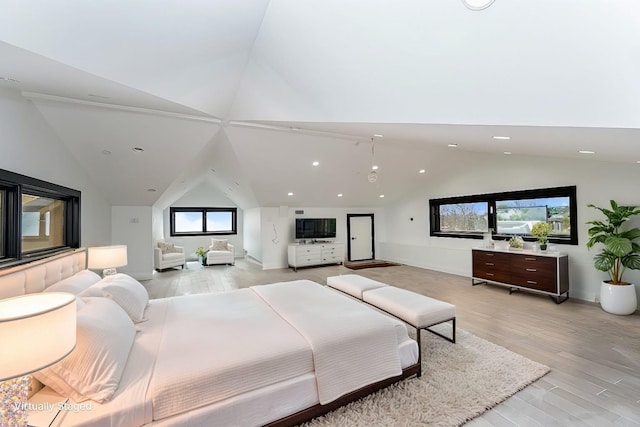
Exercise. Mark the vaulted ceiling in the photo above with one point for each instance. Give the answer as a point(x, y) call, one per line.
point(245, 95)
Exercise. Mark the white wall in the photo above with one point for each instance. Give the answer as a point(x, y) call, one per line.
point(597, 182)
point(275, 236)
point(204, 195)
point(131, 226)
point(276, 240)
point(252, 236)
point(29, 147)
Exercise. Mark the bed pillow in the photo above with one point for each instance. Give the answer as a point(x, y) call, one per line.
point(125, 290)
point(93, 369)
point(76, 283)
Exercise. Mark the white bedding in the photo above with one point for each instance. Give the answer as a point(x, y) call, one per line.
point(342, 334)
point(216, 346)
point(174, 375)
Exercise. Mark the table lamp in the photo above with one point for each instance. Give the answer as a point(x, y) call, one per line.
point(107, 258)
point(36, 330)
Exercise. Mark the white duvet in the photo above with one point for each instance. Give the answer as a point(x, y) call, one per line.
point(353, 346)
point(216, 346)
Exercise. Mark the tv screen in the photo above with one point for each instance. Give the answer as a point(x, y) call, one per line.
point(315, 228)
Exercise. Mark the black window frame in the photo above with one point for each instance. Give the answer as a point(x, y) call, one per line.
point(492, 198)
point(203, 211)
point(13, 186)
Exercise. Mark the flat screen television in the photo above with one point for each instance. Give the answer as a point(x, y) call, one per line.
point(315, 228)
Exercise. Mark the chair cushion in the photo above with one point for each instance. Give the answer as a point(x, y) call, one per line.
point(173, 256)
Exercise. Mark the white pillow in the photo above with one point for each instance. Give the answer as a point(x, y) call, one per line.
point(93, 370)
point(219, 245)
point(125, 290)
point(76, 283)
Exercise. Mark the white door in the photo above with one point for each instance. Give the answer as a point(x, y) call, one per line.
point(360, 235)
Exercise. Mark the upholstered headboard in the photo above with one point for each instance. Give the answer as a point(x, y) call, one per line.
point(38, 275)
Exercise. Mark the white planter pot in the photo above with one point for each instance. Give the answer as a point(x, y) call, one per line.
point(618, 299)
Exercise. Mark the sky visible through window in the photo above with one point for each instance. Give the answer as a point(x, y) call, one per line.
point(191, 222)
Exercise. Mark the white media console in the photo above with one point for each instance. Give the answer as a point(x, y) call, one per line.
point(310, 254)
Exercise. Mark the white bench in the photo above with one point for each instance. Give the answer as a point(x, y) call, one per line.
point(417, 310)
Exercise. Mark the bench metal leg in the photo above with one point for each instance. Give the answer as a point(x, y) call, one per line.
point(453, 331)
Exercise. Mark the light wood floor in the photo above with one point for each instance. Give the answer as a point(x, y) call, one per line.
point(594, 356)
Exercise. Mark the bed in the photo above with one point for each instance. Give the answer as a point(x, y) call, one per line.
point(274, 354)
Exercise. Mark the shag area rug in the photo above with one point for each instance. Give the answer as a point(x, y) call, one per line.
point(359, 265)
point(459, 382)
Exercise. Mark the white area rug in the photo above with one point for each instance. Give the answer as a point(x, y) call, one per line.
point(459, 382)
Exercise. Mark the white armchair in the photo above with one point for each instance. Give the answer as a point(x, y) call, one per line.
point(220, 252)
point(168, 255)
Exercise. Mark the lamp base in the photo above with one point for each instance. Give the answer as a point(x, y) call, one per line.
point(13, 401)
point(108, 272)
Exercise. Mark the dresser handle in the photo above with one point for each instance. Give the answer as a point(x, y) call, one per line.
point(489, 254)
point(489, 274)
point(530, 259)
point(531, 282)
point(489, 263)
point(531, 269)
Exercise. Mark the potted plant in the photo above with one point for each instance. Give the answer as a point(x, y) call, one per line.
point(621, 251)
point(202, 254)
point(516, 242)
point(541, 230)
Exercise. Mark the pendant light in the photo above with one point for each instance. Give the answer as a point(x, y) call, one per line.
point(373, 174)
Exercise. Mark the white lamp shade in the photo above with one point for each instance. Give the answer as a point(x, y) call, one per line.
point(36, 330)
point(107, 256)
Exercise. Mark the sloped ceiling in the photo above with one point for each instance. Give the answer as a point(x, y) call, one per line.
point(245, 95)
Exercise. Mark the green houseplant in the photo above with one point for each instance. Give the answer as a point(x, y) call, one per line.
point(201, 253)
point(541, 231)
point(620, 251)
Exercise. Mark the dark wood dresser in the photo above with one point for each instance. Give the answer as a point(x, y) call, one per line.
point(542, 272)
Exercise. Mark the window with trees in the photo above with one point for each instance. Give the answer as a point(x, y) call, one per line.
point(202, 221)
point(507, 214)
point(37, 218)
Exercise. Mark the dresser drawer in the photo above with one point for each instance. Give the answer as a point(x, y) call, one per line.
point(308, 259)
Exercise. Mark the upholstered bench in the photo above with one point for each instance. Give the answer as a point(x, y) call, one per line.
point(417, 310)
point(353, 284)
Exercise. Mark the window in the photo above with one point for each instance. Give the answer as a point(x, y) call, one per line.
point(202, 221)
point(42, 223)
point(37, 218)
point(507, 214)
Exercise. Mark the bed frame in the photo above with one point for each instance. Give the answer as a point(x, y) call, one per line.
point(319, 410)
point(38, 275)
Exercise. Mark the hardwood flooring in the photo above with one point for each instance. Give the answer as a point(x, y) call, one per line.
point(594, 356)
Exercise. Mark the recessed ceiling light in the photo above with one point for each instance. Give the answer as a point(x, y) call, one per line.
point(637, 161)
point(507, 153)
point(421, 171)
point(289, 194)
point(452, 145)
point(339, 194)
point(586, 152)
point(374, 167)
point(382, 196)
point(9, 80)
point(138, 149)
point(213, 170)
point(501, 137)
point(106, 152)
point(315, 163)
point(151, 190)
point(377, 135)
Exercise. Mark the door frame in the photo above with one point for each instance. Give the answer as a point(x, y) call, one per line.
point(373, 242)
